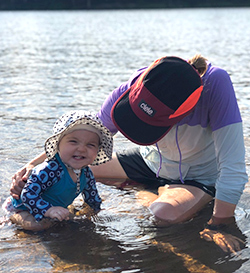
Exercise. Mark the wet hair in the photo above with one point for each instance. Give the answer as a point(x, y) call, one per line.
point(199, 63)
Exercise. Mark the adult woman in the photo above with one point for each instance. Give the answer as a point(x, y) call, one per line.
point(191, 131)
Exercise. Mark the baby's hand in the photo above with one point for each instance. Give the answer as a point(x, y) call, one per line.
point(58, 213)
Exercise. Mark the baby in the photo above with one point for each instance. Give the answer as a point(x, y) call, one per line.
point(79, 140)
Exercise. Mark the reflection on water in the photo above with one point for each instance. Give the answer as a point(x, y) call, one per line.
point(123, 238)
point(52, 62)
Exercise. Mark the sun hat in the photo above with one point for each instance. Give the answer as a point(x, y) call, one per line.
point(75, 120)
point(166, 92)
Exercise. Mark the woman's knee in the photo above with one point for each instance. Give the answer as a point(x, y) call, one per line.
point(166, 212)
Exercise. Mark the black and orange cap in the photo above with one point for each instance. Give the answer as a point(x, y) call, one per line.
point(166, 92)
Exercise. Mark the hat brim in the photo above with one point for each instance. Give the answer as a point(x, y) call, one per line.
point(105, 149)
point(132, 127)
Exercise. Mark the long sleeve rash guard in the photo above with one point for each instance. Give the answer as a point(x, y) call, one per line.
point(51, 185)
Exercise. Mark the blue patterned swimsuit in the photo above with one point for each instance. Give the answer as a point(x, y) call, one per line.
point(51, 185)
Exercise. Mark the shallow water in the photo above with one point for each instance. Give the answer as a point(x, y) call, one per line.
point(52, 62)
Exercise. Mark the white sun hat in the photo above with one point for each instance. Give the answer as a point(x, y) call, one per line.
point(76, 120)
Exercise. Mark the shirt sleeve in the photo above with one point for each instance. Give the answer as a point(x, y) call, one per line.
point(105, 112)
point(90, 193)
point(226, 123)
point(41, 178)
point(230, 154)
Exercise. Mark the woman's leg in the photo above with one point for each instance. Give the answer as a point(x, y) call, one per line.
point(175, 203)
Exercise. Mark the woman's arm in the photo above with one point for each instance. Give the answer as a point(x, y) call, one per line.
point(230, 153)
point(226, 123)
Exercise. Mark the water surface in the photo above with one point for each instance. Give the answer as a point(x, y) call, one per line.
point(52, 62)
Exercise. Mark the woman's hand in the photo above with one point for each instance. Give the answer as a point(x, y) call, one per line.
point(22, 175)
point(19, 179)
point(227, 242)
point(58, 213)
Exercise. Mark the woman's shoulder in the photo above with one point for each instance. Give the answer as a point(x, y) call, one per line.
point(216, 81)
point(216, 72)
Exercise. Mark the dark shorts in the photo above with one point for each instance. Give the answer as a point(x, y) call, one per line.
point(137, 170)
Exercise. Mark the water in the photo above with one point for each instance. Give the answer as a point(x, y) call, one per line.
point(52, 62)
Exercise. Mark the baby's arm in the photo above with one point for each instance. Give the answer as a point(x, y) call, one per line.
point(90, 193)
point(32, 200)
point(58, 213)
point(40, 180)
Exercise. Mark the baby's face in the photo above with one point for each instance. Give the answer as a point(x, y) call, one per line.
point(79, 148)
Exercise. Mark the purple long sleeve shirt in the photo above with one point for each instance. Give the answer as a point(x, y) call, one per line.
point(210, 138)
